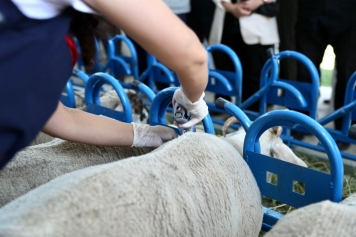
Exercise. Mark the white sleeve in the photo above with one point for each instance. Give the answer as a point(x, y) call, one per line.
point(45, 9)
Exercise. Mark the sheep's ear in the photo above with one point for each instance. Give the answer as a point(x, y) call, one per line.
point(277, 130)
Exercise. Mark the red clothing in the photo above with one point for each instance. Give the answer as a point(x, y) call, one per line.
point(72, 49)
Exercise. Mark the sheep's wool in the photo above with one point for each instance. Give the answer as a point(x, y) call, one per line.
point(195, 185)
point(36, 165)
point(321, 219)
point(41, 138)
point(350, 200)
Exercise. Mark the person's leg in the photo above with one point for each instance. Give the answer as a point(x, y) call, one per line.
point(252, 57)
point(200, 17)
point(286, 19)
point(312, 44)
point(222, 61)
point(141, 57)
point(344, 44)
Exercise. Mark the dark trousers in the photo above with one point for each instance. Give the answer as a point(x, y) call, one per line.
point(312, 43)
point(252, 58)
point(200, 17)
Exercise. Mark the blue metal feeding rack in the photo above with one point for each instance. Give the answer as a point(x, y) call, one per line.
point(347, 112)
point(160, 105)
point(226, 83)
point(156, 72)
point(309, 93)
point(121, 65)
point(269, 86)
point(68, 97)
point(318, 186)
point(284, 97)
point(92, 96)
point(230, 84)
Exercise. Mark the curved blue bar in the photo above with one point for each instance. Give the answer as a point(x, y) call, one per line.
point(298, 96)
point(313, 72)
point(350, 89)
point(307, 63)
point(69, 99)
point(81, 75)
point(159, 106)
point(291, 119)
point(235, 111)
point(222, 80)
point(235, 59)
point(137, 85)
point(166, 71)
point(237, 64)
point(93, 85)
point(132, 60)
point(119, 61)
point(349, 98)
point(268, 77)
point(152, 65)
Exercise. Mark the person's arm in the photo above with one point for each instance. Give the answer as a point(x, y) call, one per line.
point(236, 9)
point(254, 4)
point(155, 27)
point(79, 126)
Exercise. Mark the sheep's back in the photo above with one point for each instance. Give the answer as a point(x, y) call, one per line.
point(320, 219)
point(195, 185)
point(36, 165)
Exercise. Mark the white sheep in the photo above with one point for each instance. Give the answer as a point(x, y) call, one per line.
point(195, 185)
point(270, 142)
point(350, 200)
point(62, 157)
point(36, 165)
point(111, 100)
point(41, 138)
point(320, 219)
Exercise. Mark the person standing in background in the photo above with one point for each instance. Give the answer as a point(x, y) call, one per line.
point(286, 20)
point(327, 22)
point(200, 18)
point(250, 28)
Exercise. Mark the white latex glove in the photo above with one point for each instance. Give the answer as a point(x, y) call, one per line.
point(198, 109)
point(151, 136)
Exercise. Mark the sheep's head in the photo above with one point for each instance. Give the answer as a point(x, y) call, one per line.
point(270, 142)
point(273, 145)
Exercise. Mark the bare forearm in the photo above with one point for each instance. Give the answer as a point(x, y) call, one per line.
point(153, 25)
point(79, 126)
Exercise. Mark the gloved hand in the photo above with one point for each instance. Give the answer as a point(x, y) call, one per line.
point(151, 136)
point(198, 109)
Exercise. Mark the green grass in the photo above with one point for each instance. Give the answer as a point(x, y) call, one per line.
point(349, 185)
point(326, 77)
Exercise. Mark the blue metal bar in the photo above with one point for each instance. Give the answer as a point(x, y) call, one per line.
point(237, 65)
point(132, 60)
point(159, 107)
point(222, 80)
point(93, 104)
point(137, 85)
point(290, 119)
point(315, 79)
point(69, 99)
point(111, 63)
point(235, 111)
